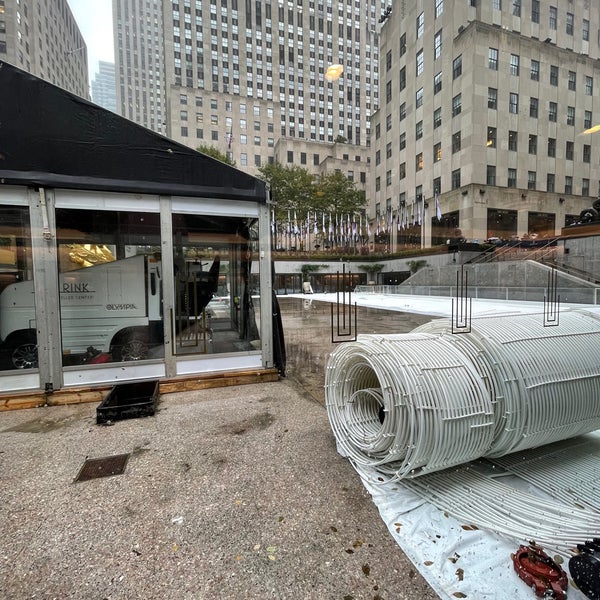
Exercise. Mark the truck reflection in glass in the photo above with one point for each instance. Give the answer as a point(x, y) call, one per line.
point(112, 311)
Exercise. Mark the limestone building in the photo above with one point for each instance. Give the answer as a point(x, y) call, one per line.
point(483, 106)
point(42, 38)
point(103, 86)
point(240, 76)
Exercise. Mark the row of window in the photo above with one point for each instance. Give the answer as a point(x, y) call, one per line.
point(491, 179)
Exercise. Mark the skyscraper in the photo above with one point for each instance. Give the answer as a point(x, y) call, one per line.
point(42, 37)
point(483, 107)
point(242, 75)
point(103, 86)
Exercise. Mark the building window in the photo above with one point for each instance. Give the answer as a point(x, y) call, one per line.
point(419, 161)
point(403, 44)
point(403, 111)
point(378, 185)
point(456, 142)
point(517, 8)
point(512, 141)
point(572, 80)
point(437, 117)
point(570, 115)
point(553, 75)
point(455, 179)
point(587, 119)
point(437, 152)
point(491, 137)
point(420, 25)
point(585, 187)
point(585, 31)
point(377, 157)
point(388, 60)
point(492, 98)
point(316, 160)
point(388, 150)
point(419, 130)
point(570, 24)
point(490, 177)
point(402, 78)
point(497, 4)
point(587, 153)
point(532, 144)
point(552, 111)
point(439, 8)
point(493, 59)
point(514, 64)
point(552, 147)
point(533, 108)
point(550, 178)
point(437, 83)
point(388, 178)
point(512, 178)
point(388, 92)
point(457, 67)
point(531, 180)
point(456, 105)
point(402, 143)
point(419, 63)
point(535, 70)
point(513, 103)
point(535, 11)
point(552, 19)
point(388, 122)
point(589, 86)
point(437, 45)
point(568, 184)
point(569, 150)
point(184, 132)
point(214, 136)
point(419, 98)
point(402, 171)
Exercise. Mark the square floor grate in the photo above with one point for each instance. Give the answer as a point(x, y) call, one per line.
point(94, 468)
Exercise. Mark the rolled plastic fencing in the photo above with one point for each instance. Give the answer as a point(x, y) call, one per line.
point(414, 403)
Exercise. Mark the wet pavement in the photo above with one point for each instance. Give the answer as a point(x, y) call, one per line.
point(308, 335)
point(228, 493)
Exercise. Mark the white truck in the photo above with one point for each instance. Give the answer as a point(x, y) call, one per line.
point(113, 307)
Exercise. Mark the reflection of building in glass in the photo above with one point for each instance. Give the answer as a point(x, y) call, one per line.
point(103, 86)
point(42, 38)
point(483, 103)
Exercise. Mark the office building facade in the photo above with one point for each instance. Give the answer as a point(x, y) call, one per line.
point(104, 92)
point(42, 38)
point(482, 113)
point(240, 76)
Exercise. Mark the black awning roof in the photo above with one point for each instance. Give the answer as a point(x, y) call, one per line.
point(52, 138)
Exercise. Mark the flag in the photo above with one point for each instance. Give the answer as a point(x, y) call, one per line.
point(438, 210)
point(419, 213)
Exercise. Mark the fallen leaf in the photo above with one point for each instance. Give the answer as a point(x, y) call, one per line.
point(256, 547)
point(270, 549)
point(334, 529)
point(349, 551)
point(238, 502)
point(281, 519)
point(175, 547)
point(238, 557)
point(460, 574)
point(357, 543)
point(559, 560)
point(459, 595)
point(366, 569)
point(470, 527)
point(428, 563)
point(454, 558)
point(271, 556)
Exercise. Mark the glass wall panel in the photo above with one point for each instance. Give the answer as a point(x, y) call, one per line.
point(502, 223)
point(216, 288)
point(18, 348)
point(110, 286)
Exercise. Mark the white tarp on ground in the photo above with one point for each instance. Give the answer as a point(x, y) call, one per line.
point(457, 559)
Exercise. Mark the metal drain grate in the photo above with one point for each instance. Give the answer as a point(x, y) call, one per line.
point(94, 468)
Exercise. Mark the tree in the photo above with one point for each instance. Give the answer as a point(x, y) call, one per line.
point(371, 269)
point(292, 189)
point(338, 194)
point(216, 153)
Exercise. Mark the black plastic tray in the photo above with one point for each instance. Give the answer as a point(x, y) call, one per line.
point(128, 401)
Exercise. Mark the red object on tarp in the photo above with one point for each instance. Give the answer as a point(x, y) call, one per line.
point(540, 572)
point(103, 357)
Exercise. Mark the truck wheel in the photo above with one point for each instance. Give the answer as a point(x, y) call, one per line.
point(132, 347)
point(23, 352)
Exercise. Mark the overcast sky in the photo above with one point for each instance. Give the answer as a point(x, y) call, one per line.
point(94, 18)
